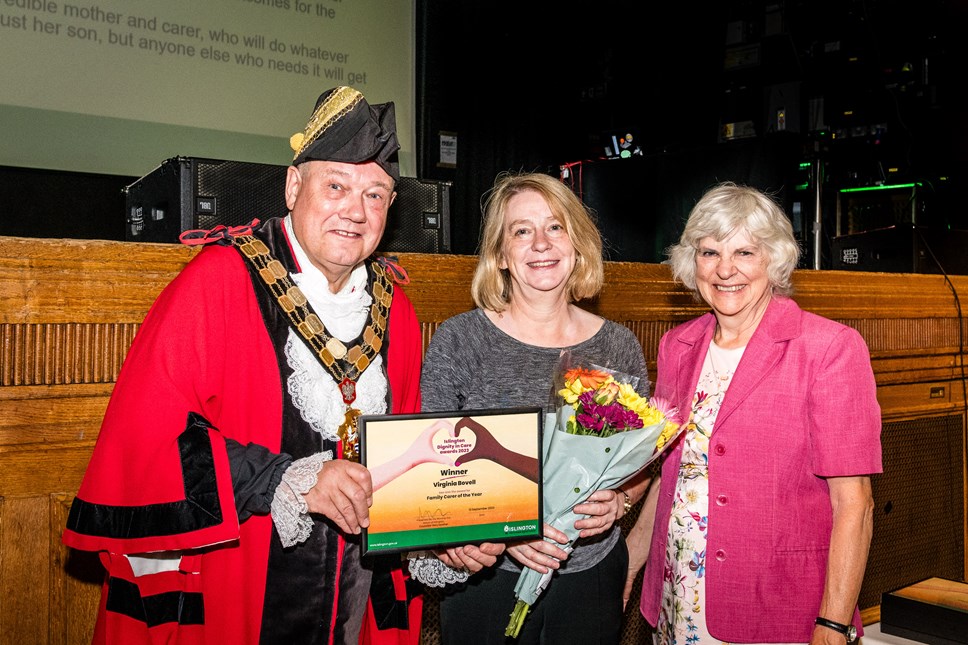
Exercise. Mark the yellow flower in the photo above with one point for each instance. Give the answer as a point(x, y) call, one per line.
point(669, 430)
point(628, 397)
point(571, 391)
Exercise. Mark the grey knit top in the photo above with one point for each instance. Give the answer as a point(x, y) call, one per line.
point(472, 365)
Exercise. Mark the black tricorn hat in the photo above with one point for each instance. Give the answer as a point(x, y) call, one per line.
point(344, 127)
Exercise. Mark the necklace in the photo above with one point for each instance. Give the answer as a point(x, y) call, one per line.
point(723, 375)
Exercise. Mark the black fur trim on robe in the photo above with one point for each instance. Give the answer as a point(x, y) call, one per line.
point(200, 508)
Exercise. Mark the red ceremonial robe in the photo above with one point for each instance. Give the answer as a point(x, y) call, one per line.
point(206, 366)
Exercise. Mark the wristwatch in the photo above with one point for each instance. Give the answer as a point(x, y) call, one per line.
point(628, 501)
point(849, 631)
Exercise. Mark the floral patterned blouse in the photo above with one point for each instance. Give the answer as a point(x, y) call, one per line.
point(681, 618)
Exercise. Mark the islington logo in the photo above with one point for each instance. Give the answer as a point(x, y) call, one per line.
point(518, 529)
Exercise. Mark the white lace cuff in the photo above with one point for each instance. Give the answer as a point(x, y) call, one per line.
point(426, 568)
point(290, 513)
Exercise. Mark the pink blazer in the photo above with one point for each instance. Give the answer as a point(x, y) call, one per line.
point(802, 406)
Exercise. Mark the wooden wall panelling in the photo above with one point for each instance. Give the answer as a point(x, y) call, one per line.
point(68, 313)
point(89, 281)
point(75, 582)
point(25, 570)
point(69, 310)
point(60, 353)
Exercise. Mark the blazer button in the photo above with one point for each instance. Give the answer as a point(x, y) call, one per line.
point(720, 555)
point(720, 449)
point(721, 500)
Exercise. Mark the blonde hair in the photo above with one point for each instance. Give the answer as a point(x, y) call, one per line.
point(726, 209)
point(491, 286)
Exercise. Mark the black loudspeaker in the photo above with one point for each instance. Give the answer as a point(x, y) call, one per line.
point(185, 193)
point(902, 249)
point(419, 219)
point(919, 520)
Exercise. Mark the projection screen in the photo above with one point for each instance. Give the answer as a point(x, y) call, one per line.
point(117, 86)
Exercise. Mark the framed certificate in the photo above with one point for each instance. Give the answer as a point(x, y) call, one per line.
point(446, 478)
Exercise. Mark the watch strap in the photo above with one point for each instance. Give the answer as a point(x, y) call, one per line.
point(849, 631)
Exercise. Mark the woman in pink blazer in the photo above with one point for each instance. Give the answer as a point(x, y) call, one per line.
point(763, 512)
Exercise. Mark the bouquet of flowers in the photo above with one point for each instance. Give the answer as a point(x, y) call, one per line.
point(602, 434)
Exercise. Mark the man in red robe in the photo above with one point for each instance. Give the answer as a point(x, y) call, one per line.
point(224, 495)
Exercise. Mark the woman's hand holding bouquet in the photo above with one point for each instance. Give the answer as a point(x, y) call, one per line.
point(602, 434)
point(543, 556)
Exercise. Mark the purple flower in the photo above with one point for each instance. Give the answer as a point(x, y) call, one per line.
point(605, 419)
point(586, 398)
point(590, 421)
point(620, 418)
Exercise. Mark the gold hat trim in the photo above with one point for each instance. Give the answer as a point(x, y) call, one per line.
point(337, 104)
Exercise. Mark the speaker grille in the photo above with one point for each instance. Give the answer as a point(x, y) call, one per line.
point(919, 521)
point(242, 192)
point(419, 219)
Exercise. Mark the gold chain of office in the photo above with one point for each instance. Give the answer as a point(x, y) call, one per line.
point(345, 364)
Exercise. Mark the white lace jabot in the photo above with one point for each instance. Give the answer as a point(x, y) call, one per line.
point(344, 314)
point(313, 390)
